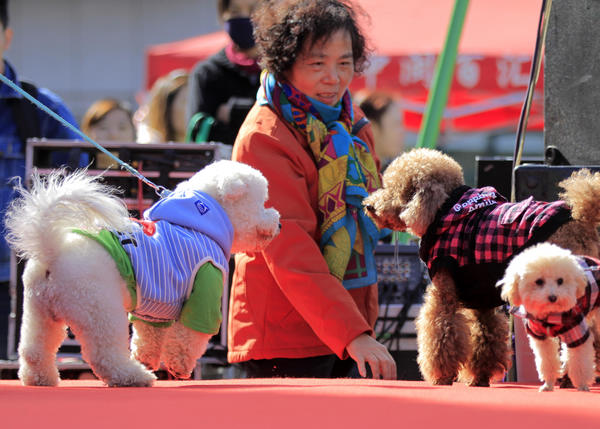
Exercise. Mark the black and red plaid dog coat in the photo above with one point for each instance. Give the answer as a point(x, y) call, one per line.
point(475, 234)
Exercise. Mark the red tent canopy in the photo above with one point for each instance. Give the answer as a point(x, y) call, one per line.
point(492, 68)
point(161, 59)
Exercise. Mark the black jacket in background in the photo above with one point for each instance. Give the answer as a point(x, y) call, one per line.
point(216, 81)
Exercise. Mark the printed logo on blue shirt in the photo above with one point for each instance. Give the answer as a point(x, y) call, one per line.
point(202, 208)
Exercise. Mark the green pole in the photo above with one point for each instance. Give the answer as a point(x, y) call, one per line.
point(442, 78)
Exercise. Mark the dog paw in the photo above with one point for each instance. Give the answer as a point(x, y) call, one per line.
point(480, 382)
point(31, 377)
point(546, 388)
point(126, 373)
point(584, 388)
point(179, 375)
point(39, 380)
point(565, 382)
point(139, 378)
point(180, 370)
point(444, 381)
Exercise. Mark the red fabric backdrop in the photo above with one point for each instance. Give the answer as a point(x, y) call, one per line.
point(492, 69)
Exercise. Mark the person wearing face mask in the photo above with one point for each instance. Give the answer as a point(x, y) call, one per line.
point(224, 85)
point(307, 304)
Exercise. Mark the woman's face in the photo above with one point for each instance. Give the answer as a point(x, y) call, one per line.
point(324, 70)
point(116, 125)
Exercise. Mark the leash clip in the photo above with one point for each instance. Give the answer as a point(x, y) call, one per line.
point(162, 192)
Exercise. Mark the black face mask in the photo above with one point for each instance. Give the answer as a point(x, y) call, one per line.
point(240, 30)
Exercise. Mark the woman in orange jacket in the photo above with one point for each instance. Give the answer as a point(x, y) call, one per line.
point(308, 302)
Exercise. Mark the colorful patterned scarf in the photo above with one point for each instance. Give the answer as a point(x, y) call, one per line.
point(347, 174)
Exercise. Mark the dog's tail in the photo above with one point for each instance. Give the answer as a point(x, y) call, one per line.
point(36, 221)
point(582, 193)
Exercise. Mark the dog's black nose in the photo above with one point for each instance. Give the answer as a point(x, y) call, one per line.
point(552, 298)
point(370, 208)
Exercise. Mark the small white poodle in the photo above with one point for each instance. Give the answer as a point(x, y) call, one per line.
point(89, 265)
point(557, 294)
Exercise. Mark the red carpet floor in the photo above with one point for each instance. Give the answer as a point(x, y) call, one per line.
point(301, 403)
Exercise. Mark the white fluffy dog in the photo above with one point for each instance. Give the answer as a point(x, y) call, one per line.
point(557, 294)
point(72, 278)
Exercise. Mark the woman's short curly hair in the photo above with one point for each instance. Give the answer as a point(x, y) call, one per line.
point(283, 27)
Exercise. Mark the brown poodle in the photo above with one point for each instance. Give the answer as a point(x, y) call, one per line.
point(467, 239)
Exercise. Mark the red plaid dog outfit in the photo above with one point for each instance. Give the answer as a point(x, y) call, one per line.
point(477, 231)
point(570, 326)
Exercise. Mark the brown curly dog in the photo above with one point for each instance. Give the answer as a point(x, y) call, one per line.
point(468, 236)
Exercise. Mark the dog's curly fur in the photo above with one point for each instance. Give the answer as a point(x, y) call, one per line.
point(546, 279)
point(452, 339)
point(70, 280)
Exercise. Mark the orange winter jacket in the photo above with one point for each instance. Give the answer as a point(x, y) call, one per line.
point(284, 303)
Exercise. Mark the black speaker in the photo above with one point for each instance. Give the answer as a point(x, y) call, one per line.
point(494, 171)
point(541, 181)
point(497, 172)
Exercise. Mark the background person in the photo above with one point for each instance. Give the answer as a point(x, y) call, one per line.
point(109, 119)
point(20, 120)
point(308, 302)
point(385, 114)
point(224, 85)
point(164, 115)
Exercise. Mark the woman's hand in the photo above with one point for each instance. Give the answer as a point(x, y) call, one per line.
point(365, 348)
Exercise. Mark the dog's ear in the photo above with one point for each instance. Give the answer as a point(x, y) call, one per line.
point(422, 207)
point(580, 281)
point(234, 189)
point(510, 286)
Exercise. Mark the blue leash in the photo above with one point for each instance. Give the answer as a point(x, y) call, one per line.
point(161, 191)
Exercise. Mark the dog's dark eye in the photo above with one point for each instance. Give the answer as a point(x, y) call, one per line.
point(539, 282)
point(559, 281)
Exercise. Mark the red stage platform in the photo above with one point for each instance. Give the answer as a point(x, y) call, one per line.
point(299, 403)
